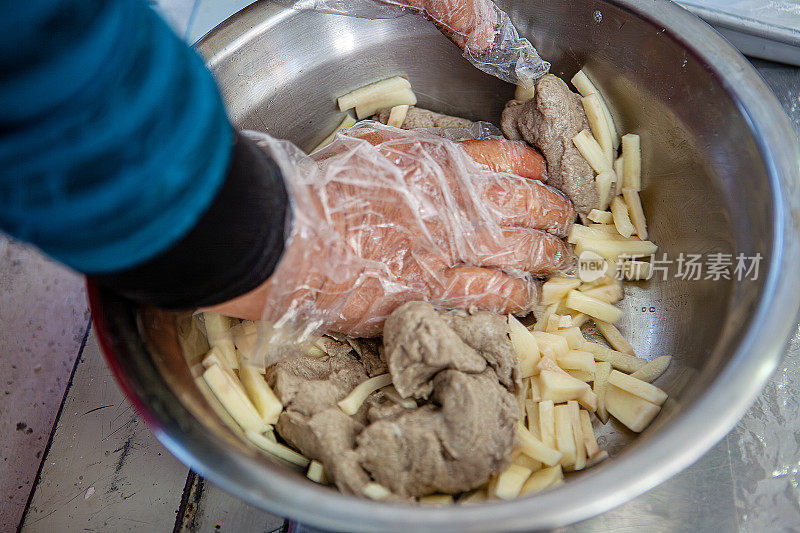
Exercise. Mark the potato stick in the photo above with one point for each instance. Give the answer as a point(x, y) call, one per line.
point(397, 116)
point(316, 472)
point(586, 377)
point(604, 181)
point(586, 87)
point(592, 152)
point(637, 387)
point(391, 393)
point(368, 107)
point(597, 123)
point(632, 163)
point(437, 499)
point(614, 337)
point(532, 410)
point(619, 170)
point(579, 319)
point(353, 401)
point(565, 438)
point(601, 217)
point(589, 440)
point(523, 93)
point(264, 399)
point(636, 212)
point(476, 496)
point(375, 491)
point(577, 435)
point(555, 289)
point(580, 233)
point(599, 458)
point(603, 370)
point(550, 344)
point(619, 360)
point(218, 331)
point(546, 423)
point(542, 480)
point(611, 249)
point(622, 219)
point(278, 450)
point(346, 122)
point(577, 360)
point(653, 370)
point(541, 322)
point(536, 449)
point(560, 387)
point(523, 460)
point(510, 481)
point(573, 335)
point(579, 301)
point(611, 293)
point(636, 270)
point(536, 394)
point(634, 412)
point(234, 399)
point(371, 91)
point(525, 346)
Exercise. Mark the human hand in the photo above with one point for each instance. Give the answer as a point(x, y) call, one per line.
point(384, 216)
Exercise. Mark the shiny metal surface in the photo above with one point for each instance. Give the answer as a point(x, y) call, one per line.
point(720, 176)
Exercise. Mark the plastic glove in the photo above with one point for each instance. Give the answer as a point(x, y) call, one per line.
point(384, 216)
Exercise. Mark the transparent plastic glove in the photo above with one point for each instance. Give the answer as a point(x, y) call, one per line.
point(484, 32)
point(385, 216)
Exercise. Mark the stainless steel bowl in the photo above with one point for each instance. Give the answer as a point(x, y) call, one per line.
point(721, 175)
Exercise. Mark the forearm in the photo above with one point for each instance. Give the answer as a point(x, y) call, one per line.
point(117, 158)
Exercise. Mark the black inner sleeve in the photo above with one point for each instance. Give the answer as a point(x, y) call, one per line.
point(234, 247)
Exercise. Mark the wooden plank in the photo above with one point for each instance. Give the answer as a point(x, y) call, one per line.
point(44, 319)
point(104, 470)
point(209, 509)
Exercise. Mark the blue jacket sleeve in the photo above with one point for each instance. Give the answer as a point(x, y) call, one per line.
point(113, 137)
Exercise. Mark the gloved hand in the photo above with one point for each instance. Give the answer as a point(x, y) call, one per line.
point(384, 216)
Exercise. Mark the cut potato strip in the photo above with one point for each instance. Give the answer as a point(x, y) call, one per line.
point(603, 370)
point(368, 107)
point(599, 458)
point(577, 360)
point(523, 460)
point(523, 93)
point(573, 336)
point(555, 289)
point(397, 116)
point(535, 391)
point(543, 480)
point(218, 331)
point(619, 360)
point(558, 387)
point(541, 322)
point(278, 450)
point(636, 211)
point(346, 122)
point(614, 337)
point(265, 401)
point(589, 440)
point(622, 219)
point(437, 499)
point(550, 345)
point(232, 396)
point(509, 482)
point(579, 319)
point(636, 270)
point(592, 152)
point(577, 435)
point(372, 91)
point(547, 423)
point(634, 412)
point(585, 86)
point(619, 170)
point(597, 122)
point(601, 217)
point(565, 438)
point(244, 337)
point(557, 322)
point(610, 293)
point(316, 472)
point(579, 301)
point(351, 404)
point(532, 411)
point(525, 346)
point(637, 387)
point(604, 181)
point(391, 393)
point(586, 377)
point(653, 370)
point(613, 248)
point(476, 496)
point(632, 163)
point(376, 491)
point(536, 449)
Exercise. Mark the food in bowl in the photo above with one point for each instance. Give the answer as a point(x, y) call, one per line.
point(468, 405)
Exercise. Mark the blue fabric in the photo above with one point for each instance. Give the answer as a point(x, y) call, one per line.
point(113, 136)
